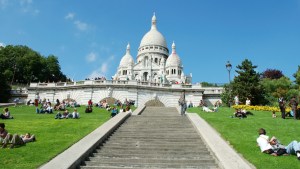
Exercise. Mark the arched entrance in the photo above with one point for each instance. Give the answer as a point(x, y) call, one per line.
point(110, 100)
point(145, 76)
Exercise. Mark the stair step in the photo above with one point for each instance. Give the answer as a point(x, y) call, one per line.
point(159, 138)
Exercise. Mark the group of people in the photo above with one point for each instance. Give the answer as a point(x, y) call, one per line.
point(64, 104)
point(215, 108)
point(274, 147)
point(293, 104)
point(241, 113)
point(66, 115)
point(45, 108)
point(115, 111)
point(13, 139)
point(237, 101)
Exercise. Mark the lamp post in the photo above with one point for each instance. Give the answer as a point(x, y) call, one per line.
point(229, 67)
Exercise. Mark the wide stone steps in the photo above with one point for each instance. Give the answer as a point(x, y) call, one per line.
point(159, 138)
point(175, 156)
point(163, 163)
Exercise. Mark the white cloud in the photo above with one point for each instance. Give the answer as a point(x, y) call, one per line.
point(91, 57)
point(70, 16)
point(96, 73)
point(2, 44)
point(104, 67)
point(28, 7)
point(81, 25)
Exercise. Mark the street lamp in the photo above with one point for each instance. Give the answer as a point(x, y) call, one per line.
point(229, 67)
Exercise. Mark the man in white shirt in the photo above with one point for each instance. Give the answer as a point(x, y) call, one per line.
point(263, 142)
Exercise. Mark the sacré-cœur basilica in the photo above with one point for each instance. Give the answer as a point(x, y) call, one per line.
point(155, 77)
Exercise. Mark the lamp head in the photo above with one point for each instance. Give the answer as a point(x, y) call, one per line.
point(228, 66)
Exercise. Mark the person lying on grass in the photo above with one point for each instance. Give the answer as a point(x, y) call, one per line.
point(17, 140)
point(273, 146)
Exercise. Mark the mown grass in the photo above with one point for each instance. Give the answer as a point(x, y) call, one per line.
point(242, 134)
point(53, 135)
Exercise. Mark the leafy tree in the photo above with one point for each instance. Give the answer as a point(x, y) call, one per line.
point(226, 95)
point(4, 88)
point(272, 74)
point(20, 64)
point(206, 84)
point(246, 84)
point(297, 76)
point(275, 88)
point(53, 69)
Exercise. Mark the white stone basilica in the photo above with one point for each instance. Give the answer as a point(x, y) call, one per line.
point(156, 77)
point(154, 64)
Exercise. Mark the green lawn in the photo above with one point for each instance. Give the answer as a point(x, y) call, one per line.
point(242, 134)
point(53, 135)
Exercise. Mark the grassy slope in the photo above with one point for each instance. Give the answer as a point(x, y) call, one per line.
point(53, 136)
point(242, 134)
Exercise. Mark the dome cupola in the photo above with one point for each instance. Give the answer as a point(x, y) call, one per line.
point(127, 59)
point(153, 37)
point(173, 59)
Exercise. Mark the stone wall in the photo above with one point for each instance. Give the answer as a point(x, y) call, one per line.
point(141, 93)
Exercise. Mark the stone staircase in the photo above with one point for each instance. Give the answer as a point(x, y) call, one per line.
point(159, 138)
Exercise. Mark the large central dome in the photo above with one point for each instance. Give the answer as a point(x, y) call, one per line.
point(153, 37)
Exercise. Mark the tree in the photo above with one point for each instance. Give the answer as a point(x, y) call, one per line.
point(246, 84)
point(206, 84)
point(4, 88)
point(20, 64)
point(274, 88)
point(297, 76)
point(272, 74)
point(53, 69)
point(226, 96)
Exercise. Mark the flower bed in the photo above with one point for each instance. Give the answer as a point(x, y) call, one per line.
point(261, 108)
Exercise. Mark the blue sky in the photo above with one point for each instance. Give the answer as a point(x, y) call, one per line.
point(90, 37)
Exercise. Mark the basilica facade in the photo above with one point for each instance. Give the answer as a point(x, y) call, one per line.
point(154, 64)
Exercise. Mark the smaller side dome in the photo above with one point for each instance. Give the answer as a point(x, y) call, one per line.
point(127, 59)
point(173, 59)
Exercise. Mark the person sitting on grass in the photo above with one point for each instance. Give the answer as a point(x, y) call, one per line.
point(66, 114)
point(17, 140)
point(3, 132)
point(215, 108)
point(114, 111)
point(128, 109)
point(58, 115)
point(6, 114)
point(89, 109)
point(75, 114)
point(263, 142)
point(274, 114)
